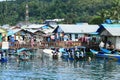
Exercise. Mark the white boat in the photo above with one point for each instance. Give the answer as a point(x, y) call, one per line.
point(52, 53)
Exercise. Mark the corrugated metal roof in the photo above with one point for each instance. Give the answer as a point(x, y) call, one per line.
point(35, 26)
point(113, 29)
point(71, 28)
point(31, 30)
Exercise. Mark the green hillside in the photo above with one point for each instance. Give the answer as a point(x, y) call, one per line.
point(73, 11)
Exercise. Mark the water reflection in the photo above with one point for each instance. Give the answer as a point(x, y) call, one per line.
point(45, 68)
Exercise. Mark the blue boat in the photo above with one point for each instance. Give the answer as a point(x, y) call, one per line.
point(22, 49)
point(3, 60)
point(105, 55)
point(3, 57)
point(72, 53)
point(105, 50)
point(109, 51)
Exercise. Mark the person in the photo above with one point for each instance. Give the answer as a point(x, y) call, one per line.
point(0, 54)
point(12, 40)
point(107, 45)
point(32, 42)
point(102, 44)
point(112, 46)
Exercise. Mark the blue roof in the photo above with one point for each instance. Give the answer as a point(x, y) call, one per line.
point(45, 27)
point(108, 21)
point(111, 25)
point(113, 29)
point(12, 32)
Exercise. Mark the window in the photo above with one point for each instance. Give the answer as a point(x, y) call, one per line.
point(76, 36)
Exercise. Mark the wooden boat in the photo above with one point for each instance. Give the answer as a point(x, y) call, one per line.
point(105, 55)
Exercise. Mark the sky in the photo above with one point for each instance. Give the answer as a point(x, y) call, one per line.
point(4, 0)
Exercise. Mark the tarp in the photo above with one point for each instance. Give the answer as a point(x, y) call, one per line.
point(10, 33)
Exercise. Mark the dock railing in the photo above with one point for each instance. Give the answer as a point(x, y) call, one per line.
point(17, 45)
point(43, 44)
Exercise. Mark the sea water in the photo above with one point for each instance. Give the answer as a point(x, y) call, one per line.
point(44, 68)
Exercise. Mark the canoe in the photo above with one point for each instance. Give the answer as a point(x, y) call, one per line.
point(105, 50)
point(20, 50)
point(109, 51)
point(94, 51)
point(105, 55)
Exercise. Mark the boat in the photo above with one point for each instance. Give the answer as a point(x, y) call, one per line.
point(94, 51)
point(114, 51)
point(23, 54)
point(21, 49)
point(74, 53)
point(52, 53)
point(105, 50)
point(77, 52)
point(105, 55)
point(3, 57)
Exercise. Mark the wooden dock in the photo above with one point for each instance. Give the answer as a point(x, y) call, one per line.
point(57, 44)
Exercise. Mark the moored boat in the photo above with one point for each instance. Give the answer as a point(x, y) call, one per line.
point(105, 55)
point(74, 53)
point(105, 50)
point(3, 57)
point(52, 53)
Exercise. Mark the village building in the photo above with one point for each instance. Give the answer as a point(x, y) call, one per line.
point(74, 31)
point(110, 33)
point(3, 33)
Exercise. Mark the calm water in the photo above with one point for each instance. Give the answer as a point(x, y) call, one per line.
point(44, 68)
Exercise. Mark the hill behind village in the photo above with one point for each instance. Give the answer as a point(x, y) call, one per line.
point(72, 11)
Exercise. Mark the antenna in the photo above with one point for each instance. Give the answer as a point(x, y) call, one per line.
point(27, 12)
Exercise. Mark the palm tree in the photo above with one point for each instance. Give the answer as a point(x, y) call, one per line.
point(115, 11)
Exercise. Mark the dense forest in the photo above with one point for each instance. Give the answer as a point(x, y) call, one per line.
point(72, 11)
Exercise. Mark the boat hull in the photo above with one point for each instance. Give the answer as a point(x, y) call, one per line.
point(110, 56)
point(50, 53)
point(105, 55)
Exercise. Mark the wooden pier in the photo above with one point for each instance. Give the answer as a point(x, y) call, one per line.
point(57, 44)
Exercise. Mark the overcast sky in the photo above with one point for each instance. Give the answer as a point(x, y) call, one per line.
point(4, 0)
